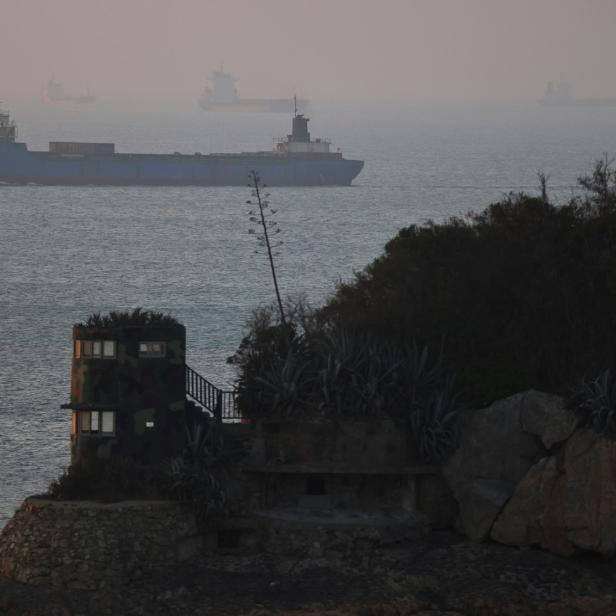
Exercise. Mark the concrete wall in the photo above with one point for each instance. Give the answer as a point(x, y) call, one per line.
point(344, 443)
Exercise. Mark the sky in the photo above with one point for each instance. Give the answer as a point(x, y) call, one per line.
point(322, 49)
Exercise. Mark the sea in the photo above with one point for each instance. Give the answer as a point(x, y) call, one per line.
point(66, 252)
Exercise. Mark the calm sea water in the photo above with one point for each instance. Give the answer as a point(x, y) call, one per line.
point(65, 252)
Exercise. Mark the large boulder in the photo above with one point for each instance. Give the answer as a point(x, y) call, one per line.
point(566, 502)
point(498, 445)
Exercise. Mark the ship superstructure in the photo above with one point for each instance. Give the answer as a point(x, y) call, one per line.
point(54, 92)
point(8, 130)
point(222, 95)
point(563, 93)
point(296, 160)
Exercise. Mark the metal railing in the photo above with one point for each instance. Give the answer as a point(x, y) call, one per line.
point(221, 403)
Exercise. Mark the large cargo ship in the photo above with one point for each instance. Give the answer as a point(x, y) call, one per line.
point(222, 95)
point(296, 160)
point(562, 94)
point(54, 92)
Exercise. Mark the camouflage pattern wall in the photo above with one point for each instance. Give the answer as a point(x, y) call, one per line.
point(127, 392)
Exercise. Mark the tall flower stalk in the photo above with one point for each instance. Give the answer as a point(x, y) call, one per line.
point(269, 228)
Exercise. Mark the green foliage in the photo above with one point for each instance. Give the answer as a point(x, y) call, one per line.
point(325, 368)
point(198, 475)
point(434, 423)
point(523, 293)
point(137, 317)
point(595, 404)
point(107, 480)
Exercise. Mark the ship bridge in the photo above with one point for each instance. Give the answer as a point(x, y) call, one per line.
point(299, 141)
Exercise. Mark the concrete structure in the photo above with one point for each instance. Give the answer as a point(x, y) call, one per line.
point(128, 395)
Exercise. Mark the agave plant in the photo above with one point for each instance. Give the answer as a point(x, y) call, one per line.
point(434, 423)
point(284, 384)
point(595, 404)
point(198, 474)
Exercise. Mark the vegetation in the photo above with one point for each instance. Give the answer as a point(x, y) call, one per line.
point(198, 476)
point(110, 480)
point(268, 228)
point(312, 366)
point(595, 404)
point(137, 317)
point(520, 295)
point(523, 293)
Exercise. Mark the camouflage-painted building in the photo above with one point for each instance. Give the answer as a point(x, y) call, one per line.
point(128, 392)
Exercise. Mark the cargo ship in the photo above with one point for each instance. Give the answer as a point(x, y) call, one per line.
point(562, 93)
point(222, 95)
point(296, 160)
point(54, 92)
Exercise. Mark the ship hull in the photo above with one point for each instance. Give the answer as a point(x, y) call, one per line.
point(20, 166)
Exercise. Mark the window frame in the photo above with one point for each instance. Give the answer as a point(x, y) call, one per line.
point(151, 354)
point(80, 416)
point(84, 349)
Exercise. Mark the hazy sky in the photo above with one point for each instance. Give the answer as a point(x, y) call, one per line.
point(335, 49)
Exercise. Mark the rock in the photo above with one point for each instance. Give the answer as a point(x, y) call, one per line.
point(567, 502)
point(494, 454)
point(498, 445)
point(547, 417)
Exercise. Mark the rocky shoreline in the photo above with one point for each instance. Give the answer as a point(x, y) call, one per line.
point(437, 575)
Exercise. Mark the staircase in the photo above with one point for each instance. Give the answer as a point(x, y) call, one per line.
point(222, 404)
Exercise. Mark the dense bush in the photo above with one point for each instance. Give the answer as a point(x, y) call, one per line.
point(198, 476)
point(315, 367)
point(523, 293)
point(109, 481)
point(137, 317)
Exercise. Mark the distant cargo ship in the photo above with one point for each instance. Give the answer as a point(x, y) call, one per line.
point(562, 93)
point(55, 93)
point(222, 95)
point(296, 160)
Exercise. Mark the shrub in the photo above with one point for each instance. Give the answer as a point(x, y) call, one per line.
point(108, 480)
point(198, 476)
point(523, 293)
point(137, 317)
point(328, 369)
point(595, 404)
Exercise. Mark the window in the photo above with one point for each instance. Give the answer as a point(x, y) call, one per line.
point(109, 349)
point(152, 349)
point(95, 349)
point(85, 421)
point(107, 422)
point(94, 422)
point(149, 424)
point(86, 348)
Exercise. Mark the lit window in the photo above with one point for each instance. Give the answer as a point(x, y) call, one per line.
point(85, 421)
point(109, 349)
point(152, 349)
point(74, 418)
point(86, 348)
point(149, 424)
point(94, 422)
point(107, 422)
point(95, 349)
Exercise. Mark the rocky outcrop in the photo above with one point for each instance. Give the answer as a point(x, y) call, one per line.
point(86, 545)
point(566, 502)
point(498, 445)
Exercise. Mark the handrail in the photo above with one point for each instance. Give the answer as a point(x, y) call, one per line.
point(221, 403)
